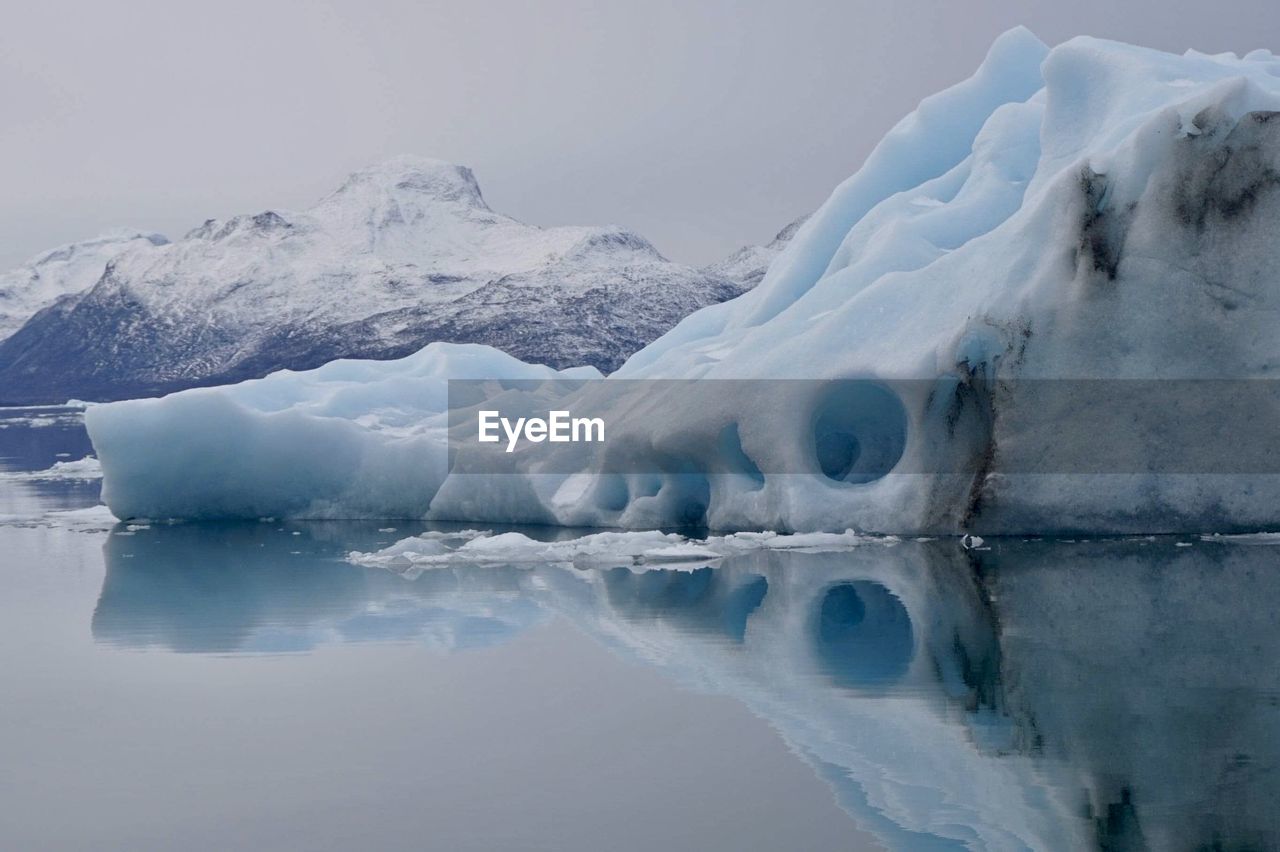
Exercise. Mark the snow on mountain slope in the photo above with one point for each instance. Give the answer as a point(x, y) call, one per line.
point(749, 264)
point(63, 271)
point(402, 254)
point(1097, 212)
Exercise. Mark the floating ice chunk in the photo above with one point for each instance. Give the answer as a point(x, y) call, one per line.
point(1269, 539)
point(815, 541)
point(92, 519)
point(679, 553)
point(87, 468)
point(636, 549)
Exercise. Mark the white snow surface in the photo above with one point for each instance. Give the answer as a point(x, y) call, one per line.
point(398, 234)
point(1093, 211)
point(64, 271)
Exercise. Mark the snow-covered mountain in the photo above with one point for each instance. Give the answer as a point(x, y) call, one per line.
point(65, 270)
point(402, 254)
point(748, 265)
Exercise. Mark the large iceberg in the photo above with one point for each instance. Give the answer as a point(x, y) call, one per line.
point(1067, 219)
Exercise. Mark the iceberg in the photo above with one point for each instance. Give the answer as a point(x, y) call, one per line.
point(351, 439)
point(1066, 218)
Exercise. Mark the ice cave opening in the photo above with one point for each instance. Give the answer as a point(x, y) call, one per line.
point(859, 431)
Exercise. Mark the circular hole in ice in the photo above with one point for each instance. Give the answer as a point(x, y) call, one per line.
point(859, 431)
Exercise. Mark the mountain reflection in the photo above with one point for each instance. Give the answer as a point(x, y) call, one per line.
point(1114, 695)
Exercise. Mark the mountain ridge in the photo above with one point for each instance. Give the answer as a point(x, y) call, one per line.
point(401, 254)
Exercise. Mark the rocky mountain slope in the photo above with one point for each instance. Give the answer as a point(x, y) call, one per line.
point(65, 270)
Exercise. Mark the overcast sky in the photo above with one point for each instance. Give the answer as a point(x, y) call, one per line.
point(702, 125)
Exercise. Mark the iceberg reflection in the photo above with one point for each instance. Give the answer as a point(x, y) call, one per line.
point(1113, 694)
point(267, 588)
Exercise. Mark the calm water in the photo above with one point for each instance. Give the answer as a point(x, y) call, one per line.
point(240, 686)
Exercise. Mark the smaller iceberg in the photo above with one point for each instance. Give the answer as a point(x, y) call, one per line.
point(351, 439)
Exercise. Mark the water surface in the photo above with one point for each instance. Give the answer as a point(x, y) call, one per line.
point(213, 686)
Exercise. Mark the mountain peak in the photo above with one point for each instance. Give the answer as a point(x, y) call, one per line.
point(424, 177)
